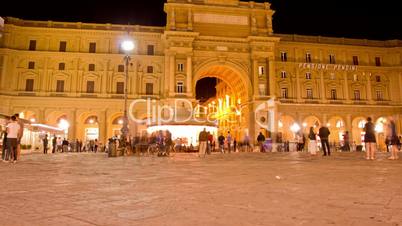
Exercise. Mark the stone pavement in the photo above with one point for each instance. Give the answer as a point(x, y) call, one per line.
point(236, 189)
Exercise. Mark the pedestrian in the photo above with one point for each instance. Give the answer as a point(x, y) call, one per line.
point(203, 139)
point(59, 144)
point(247, 142)
point(45, 143)
point(369, 139)
point(20, 134)
point(65, 145)
point(299, 138)
point(229, 141)
point(393, 138)
point(4, 151)
point(54, 143)
point(234, 145)
point(210, 141)
point(13, 134)
point(260, 140)
point(312, 145)
point(96, 145)
point(346, 141)
point(221, 140)
point(324, 135)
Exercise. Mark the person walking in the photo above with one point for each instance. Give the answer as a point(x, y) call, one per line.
point(229, 141)
point(369, 139)
point(20, 134)
point(221, 140)
point(13, 134)
point(260, 140)
point(346, 140)
point(203, 139)
point(54, 143)
point(59, 144)
point(312, 145)
point(65, 145)
point(324, 135)
point(45, 143)
point(4, 151)
point(393, 138)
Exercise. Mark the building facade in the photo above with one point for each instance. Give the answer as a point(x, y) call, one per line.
point(75, 71)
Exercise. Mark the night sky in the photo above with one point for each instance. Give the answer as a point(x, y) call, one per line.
point(339, 18)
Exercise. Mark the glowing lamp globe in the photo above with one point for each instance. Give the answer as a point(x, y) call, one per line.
point(127, 46)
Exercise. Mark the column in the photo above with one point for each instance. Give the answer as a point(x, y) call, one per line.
point(323, 96)
point(189, 75)
point(72, 130)
point(272, 77)
point(324, 120)
point(298, 88)
point(4, 71)
point(41, 116)
point(369, 93)
point(251, 123)
point(104, 79)
point(346, 86)
point(102, 126)
point(172, 73)
point(190, 20)
point(349, 124)
point(254, 72)
point(400, 85)
point(43, 84)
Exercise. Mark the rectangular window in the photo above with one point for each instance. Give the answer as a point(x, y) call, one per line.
point(62, 46)
point(32, 45)
point(149, 88)
point(120, 68)
point(29, 85)
point(284, 93)
point(355, 78)
point(91, 67)
point(357, 94)
point(308, 57)
point(92, 47)
point(378, 61)
point(262, 89)
point(379, 95)
point(308, 75)
point(355, 60)
point(60, 86)
point(150, 69)
point(261, 70)
point(284, 74)
point(90, 86)
point(120, 87)
point(62, 66)
point(151, 50)
point(378, 78)
point(180, 87)
point(31, 65)
point(180, 67)
point(284, 57)
point(333, 94)
point(309, 94)
point(332, 59)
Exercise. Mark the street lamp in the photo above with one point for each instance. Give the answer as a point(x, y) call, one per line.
point(127, 46)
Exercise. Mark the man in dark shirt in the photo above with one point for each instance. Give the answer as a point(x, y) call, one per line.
point(324, 134)
point(260, 140)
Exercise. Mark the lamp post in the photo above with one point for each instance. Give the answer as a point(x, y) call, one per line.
point(127, 46)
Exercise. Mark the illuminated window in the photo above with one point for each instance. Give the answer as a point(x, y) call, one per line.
point(332, 59)
point(308, 75)
point(180, 67)
point(339, 124)
point(333, 94)
point(283, 74)
point(180, 87)
point(284, 93)
point(308, 57)
point(361, 124)
point(261, 70)
point(284, 56)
